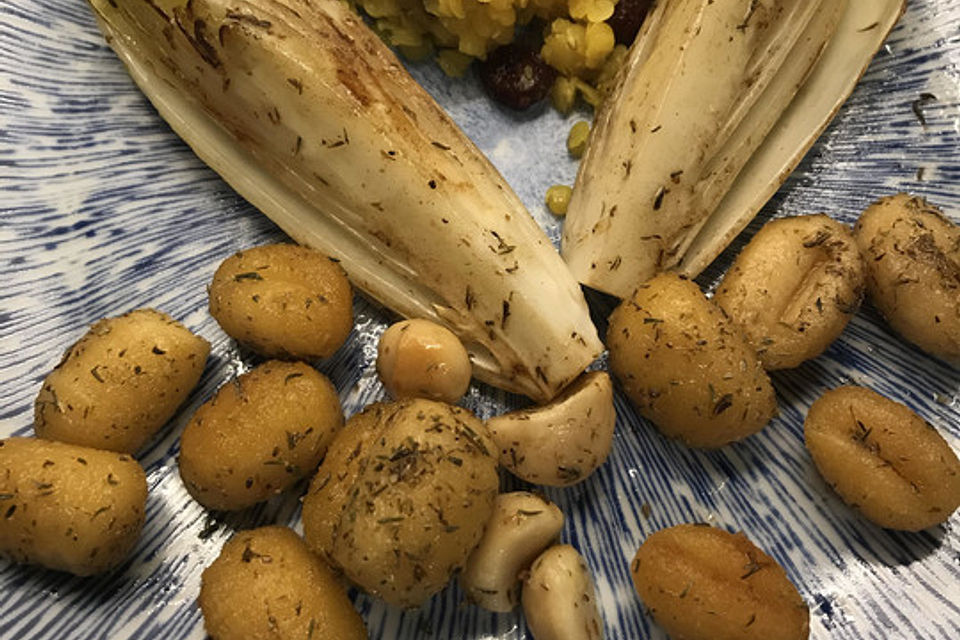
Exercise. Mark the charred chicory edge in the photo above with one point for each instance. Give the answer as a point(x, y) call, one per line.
point(310, 117)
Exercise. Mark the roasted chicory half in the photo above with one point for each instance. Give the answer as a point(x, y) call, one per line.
point(703, 86)
point(310, 117)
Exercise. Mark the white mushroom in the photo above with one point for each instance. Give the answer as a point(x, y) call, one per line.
point(559, 599)
point(522, 526)
point(561, 443)
point(421, 359)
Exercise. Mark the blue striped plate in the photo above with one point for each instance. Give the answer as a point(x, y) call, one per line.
point(103, 209)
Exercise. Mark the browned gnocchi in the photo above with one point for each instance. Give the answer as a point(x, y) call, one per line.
point(284, 301)
point(266, 584)
point(121, 382)
point(68, 507)
point(403, 497)
point(912, 254)
point(883, 459)
point(686, 366)
point(703, 583)
point(793, 288)
point(259, 435)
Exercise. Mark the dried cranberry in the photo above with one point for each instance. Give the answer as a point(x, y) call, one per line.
point(516, 76)
point(627, 17)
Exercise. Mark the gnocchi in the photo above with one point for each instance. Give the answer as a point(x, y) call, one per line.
point(686, 366)
point(703, 583)
point(793, 288)
point(68, 507)
point(883, 459)
point(913, 271)
point(284, 301)
point(259, 435)
point(121, 382)
point(266, 584)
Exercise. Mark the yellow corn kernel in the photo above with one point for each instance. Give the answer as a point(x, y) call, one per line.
point(591, 10)
point(577, 138)
point(599, 42)
point(454, 63)
point(589, 93)
point(557, 199)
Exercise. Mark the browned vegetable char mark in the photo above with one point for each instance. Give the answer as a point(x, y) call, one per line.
point(320, 126)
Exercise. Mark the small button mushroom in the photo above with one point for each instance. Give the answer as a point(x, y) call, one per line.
point(559, 599)
point(421, 359)
point(561, 443)
point(522, 526)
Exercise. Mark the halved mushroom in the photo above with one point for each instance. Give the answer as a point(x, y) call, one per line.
point(522, 526)
point(559, 597)
point(561, 443)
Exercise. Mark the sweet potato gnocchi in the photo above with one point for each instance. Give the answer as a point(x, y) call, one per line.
point(266, 584)
point(703, 583)
point(284, 301)
point(68, 507)
point(913, 271)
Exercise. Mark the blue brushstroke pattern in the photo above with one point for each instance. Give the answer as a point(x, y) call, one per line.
point(103, 209)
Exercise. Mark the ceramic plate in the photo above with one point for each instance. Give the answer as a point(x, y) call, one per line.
point(103, 209)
